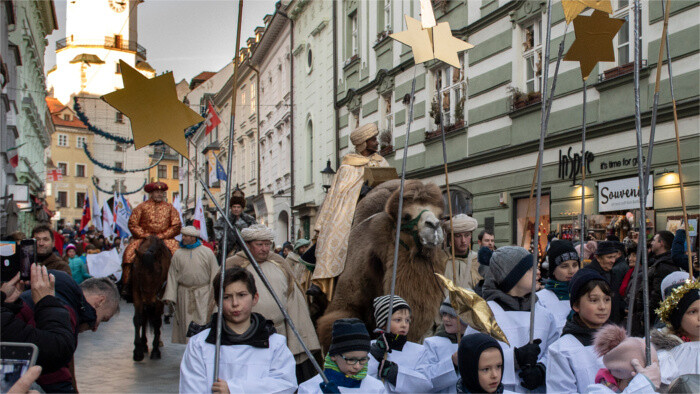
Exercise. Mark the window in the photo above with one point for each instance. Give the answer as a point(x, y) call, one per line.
point(119, 147)
point(449, 84)
point(386, 122)
point(62, 199)
point(310, 151)
point(461, 201)
point(176, 172)
point(532, 54)
point(62, 140)
point(119, 165)
point(119, 69)
point(387, 15)
point(80, 141)
point(162, 171)
point(66, 117)
point(355, 33)
point(80, 170)
point(79, 199)
point(625, 46)
point(64, 168)
point(243, 160)
point(119, 117)
point(252, 97)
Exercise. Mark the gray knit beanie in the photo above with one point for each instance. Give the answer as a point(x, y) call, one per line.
point(508, 265)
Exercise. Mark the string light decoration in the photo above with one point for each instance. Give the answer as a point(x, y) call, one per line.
point(120, 170)
point(145, 181)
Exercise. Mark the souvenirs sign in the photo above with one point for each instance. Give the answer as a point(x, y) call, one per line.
point(622, 194)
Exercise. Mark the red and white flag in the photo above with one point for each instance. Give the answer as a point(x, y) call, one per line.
point(199, 221)
point(212, 119)
point(54, 175)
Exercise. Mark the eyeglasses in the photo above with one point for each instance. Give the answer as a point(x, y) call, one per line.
point(353, 361)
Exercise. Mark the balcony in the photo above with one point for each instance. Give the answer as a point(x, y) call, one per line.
point(110, 42)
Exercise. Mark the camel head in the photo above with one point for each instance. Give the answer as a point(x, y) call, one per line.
point(422, 206)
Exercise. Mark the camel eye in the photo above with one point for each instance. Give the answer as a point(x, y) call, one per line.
point(406, 217)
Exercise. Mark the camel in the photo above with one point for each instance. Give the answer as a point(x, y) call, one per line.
point(368, 267)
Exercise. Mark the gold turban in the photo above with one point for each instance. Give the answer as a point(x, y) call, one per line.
point(257, 232)
point(362, 134)
point(462, 223)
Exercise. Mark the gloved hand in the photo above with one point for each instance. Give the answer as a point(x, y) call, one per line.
point(389, 371)
point(378, 349)
point(532, 376)
point(329, 387)
point(527, 355)
point(652, 372)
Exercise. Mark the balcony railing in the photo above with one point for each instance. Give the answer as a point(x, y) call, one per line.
point(109, 42)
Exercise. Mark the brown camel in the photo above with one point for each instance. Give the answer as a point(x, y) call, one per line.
point(368, 268)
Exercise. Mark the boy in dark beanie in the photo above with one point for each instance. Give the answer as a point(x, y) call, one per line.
point(508, 288)
point(603, 262)
point(345, 365)
point(563, 264)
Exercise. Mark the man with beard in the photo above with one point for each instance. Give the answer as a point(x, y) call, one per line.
point(237, 218)
point(44, 250)
point(154, 216)
point(335, 219)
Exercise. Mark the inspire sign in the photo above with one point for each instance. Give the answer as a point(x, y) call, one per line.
point(622, 194)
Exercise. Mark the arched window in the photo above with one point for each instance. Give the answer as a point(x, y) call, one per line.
point(461, 201)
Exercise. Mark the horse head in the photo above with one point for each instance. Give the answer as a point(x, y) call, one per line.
point(150, 251)
point(422, 206)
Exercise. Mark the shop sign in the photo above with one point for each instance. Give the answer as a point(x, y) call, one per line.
point(622, 194)
point(570, 165)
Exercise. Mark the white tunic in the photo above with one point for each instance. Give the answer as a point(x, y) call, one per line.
point(571, 367)
point(560, 309)
point(408, 380)
point(638, 384)
point(436, 364)
point(681, 360)
point(516, 326)
point(245, 369)
point(369, 385)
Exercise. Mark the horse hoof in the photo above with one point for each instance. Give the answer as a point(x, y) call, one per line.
point(138, 355)
point(155, 355)
point(166, 319)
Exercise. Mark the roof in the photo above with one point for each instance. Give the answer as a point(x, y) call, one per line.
point(56, 108)
point(87, 58)
point(144, 66)
point(201, 78)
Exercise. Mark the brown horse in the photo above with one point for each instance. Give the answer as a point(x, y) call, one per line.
point(148, 278)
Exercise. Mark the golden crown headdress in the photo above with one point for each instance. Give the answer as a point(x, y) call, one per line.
point(669, 304)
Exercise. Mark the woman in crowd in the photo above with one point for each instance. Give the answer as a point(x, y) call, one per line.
point(480, 365)
point(563, 264)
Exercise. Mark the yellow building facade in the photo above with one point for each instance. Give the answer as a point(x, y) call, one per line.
point(166, 171)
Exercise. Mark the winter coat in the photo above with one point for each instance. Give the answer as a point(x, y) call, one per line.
point(676, 357)
point(560, 309)
point(78, 269)
point(571, 364)
point(369, 385)
point(615, 278)
point(409, 379)
point(52, 332)
point(53, 262)
point(659, 267)
point(436, 364)
point(680, 259)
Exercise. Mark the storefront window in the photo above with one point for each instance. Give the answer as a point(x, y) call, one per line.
point(525, 220)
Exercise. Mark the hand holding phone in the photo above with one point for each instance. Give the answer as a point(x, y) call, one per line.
point(12, 289)
point(43, 283)
point(15, 361)
point(27, 256)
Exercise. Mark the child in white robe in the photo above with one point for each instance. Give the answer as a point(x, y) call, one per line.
point(563, 264)
point(253, 358)
point(394, 359)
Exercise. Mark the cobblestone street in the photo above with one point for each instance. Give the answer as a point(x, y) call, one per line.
point(104, 364)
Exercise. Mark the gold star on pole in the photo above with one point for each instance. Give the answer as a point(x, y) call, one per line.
point(574, 7)
point(153, 108)
point(429, 40)
point(593, 44)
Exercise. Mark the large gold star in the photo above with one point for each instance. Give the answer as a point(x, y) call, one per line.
point(593, 44)
point(153, 108)
point(574, 7)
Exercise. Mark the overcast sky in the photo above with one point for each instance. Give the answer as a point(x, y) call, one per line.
point(185, 36)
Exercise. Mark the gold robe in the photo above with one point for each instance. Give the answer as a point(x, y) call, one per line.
point(335, 219)
point(152, 218)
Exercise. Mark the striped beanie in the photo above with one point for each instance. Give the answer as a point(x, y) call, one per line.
point(381, 309)
point(349, 335)
point(446, 307)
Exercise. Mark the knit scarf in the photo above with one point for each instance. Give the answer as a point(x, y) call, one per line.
point(560, 289)
point(330, 368)
point(191, 246)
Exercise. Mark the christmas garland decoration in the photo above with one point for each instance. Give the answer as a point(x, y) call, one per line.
point(123, 194)
point(120, 170)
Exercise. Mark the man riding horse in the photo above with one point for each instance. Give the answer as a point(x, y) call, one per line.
point(154, 216)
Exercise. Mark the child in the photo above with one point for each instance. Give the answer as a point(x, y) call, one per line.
point(563, 264)
point(508, 288)
point(439, 356)
point(346, 362)
point(394, 359)
point(623, 358)
point(253, 357)
point(480, 365)
point(571, 361)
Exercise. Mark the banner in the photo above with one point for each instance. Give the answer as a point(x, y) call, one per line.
point(622, 194)
point(123, 215)
point(178, 207)
point(200, 221)
point(107, 220)
point(86, 215)
point(104, 264)
point(97, 217)
point(212, 168)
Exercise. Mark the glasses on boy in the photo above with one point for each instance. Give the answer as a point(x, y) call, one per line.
point(353, 361)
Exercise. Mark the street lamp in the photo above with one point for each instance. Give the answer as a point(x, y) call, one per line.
point(327, 177)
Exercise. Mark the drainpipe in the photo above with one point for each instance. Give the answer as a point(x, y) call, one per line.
point(291, 118)
point(335, 85)
point(257, 119)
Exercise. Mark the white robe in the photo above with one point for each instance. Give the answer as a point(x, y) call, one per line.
point(681, 360)
point(516, 326)
point(408, 380)
point(638, 384)
point(571, 367)
point(560, 309)
point(369, 385)
point(245, 369)
point(436, 364)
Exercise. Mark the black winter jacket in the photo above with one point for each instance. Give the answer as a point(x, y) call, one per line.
point(659, 267)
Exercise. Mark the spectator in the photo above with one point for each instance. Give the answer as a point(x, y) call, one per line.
point(286, 248)
point(44, 250)
point(631, 262)
point(488, 239)
point(78, 265)
point(679, 252)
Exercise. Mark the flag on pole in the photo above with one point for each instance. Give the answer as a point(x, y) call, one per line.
point(107, 220)
point(86, 215)
point(177, 204)
point(200, 221)
point(123, 215)
point(97, 218)
point(54, 175)
point(13, 153)
point(212, 120)
point(115, 229)
point(220, 172)
point(212, 168)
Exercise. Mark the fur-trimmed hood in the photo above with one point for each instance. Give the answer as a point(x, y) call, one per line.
point(664, 339)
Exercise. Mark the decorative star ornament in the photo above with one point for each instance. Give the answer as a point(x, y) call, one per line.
point(429, 40)
point(574, 7)
point(593, 44)
point(153, 108)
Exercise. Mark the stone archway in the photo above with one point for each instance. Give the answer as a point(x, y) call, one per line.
point(282, 228)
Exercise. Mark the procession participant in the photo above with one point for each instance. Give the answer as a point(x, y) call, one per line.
point(335, 218)
point(301, 273)
point(154, 216)
point(480, 365)
point(439, 359)
point(45, 255)
point(253, 357)
point(572, 363)
point(237, 218)
point(78, 266)
point(192, 269)
point(563, 264)
point(259, 238)
point(394, 359)
point(623, 358)
point(507, 288)
point(603, 261)
point(466, 262)
point(345, 365)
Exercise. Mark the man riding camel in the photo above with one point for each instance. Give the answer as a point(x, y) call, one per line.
point(335, 219)
point(154, 216)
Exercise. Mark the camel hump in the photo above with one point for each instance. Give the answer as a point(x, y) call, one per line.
point(375, 200)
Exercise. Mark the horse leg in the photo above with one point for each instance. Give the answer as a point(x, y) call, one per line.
point(138, 324)
point(156, 323)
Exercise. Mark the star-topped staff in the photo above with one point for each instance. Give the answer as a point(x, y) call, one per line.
point(574, 7)
point(593, 44)
point(153, 108)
